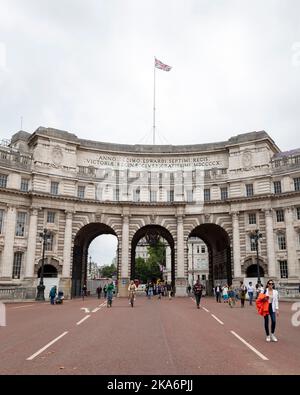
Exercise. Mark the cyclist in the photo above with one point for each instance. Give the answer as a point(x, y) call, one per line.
point(109, 293)
point(131, 292)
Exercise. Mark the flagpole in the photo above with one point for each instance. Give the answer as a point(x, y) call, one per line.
point(154, 107)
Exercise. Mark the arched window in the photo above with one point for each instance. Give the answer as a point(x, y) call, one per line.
point(49, 271)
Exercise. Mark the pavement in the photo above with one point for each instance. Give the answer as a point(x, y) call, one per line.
point(156, 337)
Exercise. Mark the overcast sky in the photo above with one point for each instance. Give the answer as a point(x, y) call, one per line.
point(86, 66)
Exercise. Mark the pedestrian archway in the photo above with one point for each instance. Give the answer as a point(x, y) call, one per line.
point(82, 241)
point(219, 253)
point(151, 235)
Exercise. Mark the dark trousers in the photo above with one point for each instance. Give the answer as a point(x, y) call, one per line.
point(218, 296)
point(273, 321)
point(198, 298)
point(242, 301)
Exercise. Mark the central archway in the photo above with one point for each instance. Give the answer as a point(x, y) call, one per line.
point(82, 241)
point(219, 252)
point(152, 231)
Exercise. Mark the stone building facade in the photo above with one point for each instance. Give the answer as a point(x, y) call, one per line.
point(79, 189)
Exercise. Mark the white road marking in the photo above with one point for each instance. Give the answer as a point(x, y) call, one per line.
point(86, 310)
point(249, 346)
point(46, 346)
point(83, 319)
point(20, 307)
point(205, 309)
point(96, 309)
point(216, 318)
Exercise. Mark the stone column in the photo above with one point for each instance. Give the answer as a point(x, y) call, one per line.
point(236, 245)
point(8, 251)
point(31, 244)
point(181, 282)
point(124, 257)
point(67, 245)
point(291, 243)
point(270, 244)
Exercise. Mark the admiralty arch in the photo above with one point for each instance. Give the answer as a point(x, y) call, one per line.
point(79, 189)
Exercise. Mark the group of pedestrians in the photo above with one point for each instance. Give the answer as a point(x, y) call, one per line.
point(160, 289)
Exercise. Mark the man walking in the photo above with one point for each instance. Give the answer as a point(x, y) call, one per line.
point(197, 289)
point(250, 290)
point(52, 294)
point(218, 292)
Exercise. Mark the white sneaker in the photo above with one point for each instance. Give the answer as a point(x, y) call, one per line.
point(268, 338)
point(274, 338)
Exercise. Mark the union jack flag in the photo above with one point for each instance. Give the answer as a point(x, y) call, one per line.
point(161, 65)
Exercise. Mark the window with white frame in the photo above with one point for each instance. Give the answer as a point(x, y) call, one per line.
point(80, 191)
point(170, 195)
point(206, 195)
point(24, 184)
point(252, 243)
point(49, 242)
point(224, 193)
point(279, 215)
point(1, 220)
point(281, 241)
point(277, 187)
point(54, 188)
point(3, 180)
point(153, 196)
point(283, 267)
point(297, 183)
point(17, 264)
point(252, 218)
point(249, 190)
point(51, 217)
point(190, 195)
point(203, 250)
point(20, 224)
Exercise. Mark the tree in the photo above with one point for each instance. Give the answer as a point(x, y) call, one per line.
point(109, 270)
point(149, 269)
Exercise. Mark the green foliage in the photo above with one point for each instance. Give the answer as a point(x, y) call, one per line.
point(148, 269)
point(109, 270)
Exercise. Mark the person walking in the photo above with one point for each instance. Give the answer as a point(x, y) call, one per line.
point(109, 292)
point(268, 306)
point(105, 290)
point(84, 291)
point(169, 290)
point(243, 292)
point(52, 294)
point(218, 292)
point(98, 292)
point(225, 293)
point(131, 292)
point(197, 289)
point(250, 290)
point(150, 290)
point(231, 296)
point(189, 288)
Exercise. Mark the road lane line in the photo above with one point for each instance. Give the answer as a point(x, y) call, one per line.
point(46, 346)
point(205, 309)
point(216, 318)
point(83, 319)
point(19, 307)
point(249, 346)
point(96, 309)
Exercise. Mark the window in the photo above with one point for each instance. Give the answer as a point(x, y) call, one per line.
point(252, 244)
point(252, 218)
point(51, 217)
point(17, 264)
point(277, 186)
point(203, 250)
point(20, 225)
point(153, 196)
point(281, 241)
point(223, 171)
point(3, 180)
point(24, 185)
point(279, 215)
point(298, 213)
point(206, 194)
point(224, 193)
point(198, 250)
point(170, 195)
point(283, 269)
point(1, 220)
point(54, 188)
point(49, 242)
point(80, 191)
point(206, 173)
point(117, 194)
point(249, 189)
point(297, 183)
point(136, 195)
point(190, 195)
point(277, 163)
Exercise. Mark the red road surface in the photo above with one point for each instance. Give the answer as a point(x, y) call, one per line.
point(155, 337)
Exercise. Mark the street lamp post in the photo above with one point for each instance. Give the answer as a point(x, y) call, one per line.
point(41, 287)
point(256, 236)
point(193, 268)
